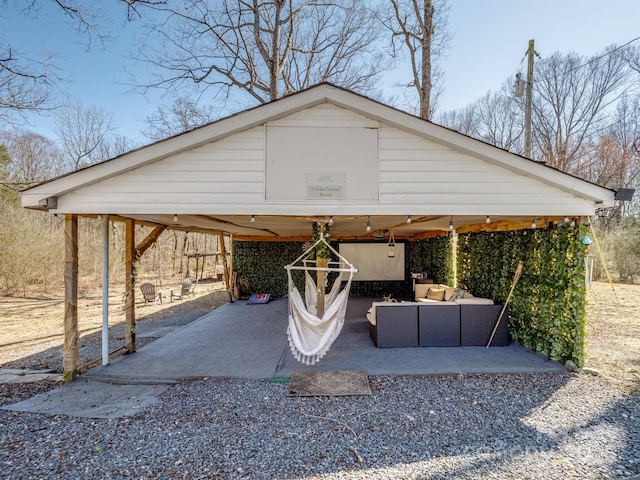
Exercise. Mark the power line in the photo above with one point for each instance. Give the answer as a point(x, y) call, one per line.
point(592, 60)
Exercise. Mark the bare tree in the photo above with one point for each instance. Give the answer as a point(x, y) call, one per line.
point(262, 48)
point(84, 12)
point(501, 121)
point(182, 115)
point(115, 145)
point(495, 118)
point(28, 84)
point(83, 132)
point(571, 97)
point(632, 55)
point(614, 160)
point(463, 120)
point(25, 85)
point(33, 159)
point(610, 164)
point(419, 29)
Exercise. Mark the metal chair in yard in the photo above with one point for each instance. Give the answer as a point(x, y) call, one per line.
point(149, 293)
point(187, 288)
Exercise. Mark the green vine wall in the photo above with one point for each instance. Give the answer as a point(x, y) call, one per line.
point(433, 257)
point(262, 264)
point(547, 309)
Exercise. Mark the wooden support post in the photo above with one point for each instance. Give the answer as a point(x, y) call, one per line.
point(130, 285)
point(71, 353)
point(223, 251)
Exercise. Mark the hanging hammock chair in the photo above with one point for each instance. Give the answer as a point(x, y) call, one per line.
point(311, 337)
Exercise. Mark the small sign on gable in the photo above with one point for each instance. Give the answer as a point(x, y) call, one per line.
point(326, 186)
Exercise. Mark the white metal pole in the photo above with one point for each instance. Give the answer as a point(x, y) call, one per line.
point(105, 289)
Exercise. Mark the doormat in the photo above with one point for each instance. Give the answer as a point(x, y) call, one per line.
point(329, 384)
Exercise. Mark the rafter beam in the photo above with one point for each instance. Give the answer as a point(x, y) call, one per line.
point(151, 239)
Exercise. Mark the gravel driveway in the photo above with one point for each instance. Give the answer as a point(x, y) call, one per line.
point(542, 426)
point(534, 426)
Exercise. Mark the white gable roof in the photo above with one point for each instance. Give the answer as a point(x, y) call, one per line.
point(321, 152)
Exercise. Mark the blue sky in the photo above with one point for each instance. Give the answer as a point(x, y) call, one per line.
point(491, 37)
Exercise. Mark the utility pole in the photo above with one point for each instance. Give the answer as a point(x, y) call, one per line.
point(528, 101)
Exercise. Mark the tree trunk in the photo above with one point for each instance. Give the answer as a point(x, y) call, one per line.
point(175, 251)
point(185, 245)
point(426, 84)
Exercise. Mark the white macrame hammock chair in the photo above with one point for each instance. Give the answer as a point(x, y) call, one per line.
point(311, 337)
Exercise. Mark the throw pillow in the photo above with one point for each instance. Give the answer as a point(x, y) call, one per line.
point(436, 294)
point(448, 293)
point(458, 294)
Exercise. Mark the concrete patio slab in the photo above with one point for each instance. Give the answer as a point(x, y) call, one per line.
point(91, 399)
point(250, 342)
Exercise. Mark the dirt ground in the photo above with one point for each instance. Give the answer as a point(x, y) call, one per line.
point(31, 328)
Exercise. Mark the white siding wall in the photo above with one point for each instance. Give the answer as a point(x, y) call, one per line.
point(412, 174)
point(230, 171)
point(416, 171)
point(325, 115)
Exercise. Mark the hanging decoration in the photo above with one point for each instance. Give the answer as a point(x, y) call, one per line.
point(392, 245)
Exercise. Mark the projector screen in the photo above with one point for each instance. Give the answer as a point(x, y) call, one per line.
point(373, 262)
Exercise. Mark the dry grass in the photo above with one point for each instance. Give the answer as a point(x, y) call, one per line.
point(613, 333)
point(30, 326)
point(31, 329)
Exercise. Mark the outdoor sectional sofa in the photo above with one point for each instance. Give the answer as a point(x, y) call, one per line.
point(466, 321)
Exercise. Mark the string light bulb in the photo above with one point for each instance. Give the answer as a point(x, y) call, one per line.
point(330, 220)
point(368, 224)
point(451, 223)
point(566, 220)
point(99, 216)
point(253, 219)
point(175, 218)
point(409, 219)
point(533, 223)
point(487, 220)
point(573, 223)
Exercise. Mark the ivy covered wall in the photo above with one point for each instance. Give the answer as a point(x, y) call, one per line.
point(434, 257)
point(547, 309)
point(262, 264)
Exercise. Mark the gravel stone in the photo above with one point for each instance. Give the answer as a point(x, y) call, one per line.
point(542, 426)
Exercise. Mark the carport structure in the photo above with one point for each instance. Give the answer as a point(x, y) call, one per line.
point(324, 154)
